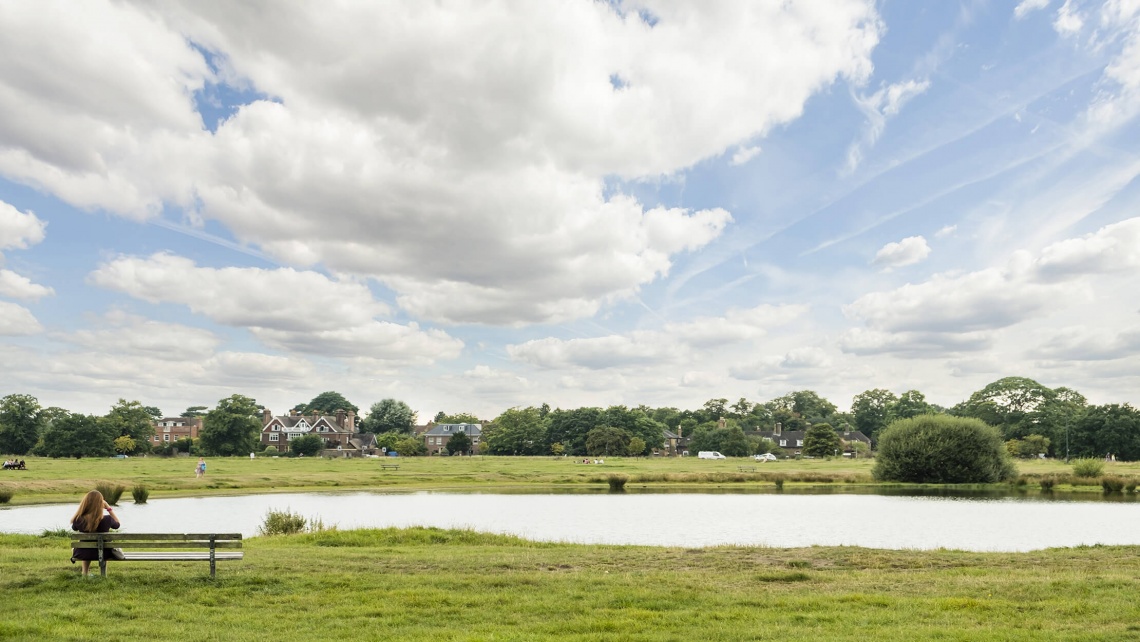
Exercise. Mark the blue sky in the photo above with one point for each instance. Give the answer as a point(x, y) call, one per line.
point(473, 208)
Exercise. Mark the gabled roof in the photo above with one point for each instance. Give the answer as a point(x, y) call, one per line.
point(442, 430)
point(287, 421)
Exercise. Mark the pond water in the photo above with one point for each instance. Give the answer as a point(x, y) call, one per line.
point(667, 519)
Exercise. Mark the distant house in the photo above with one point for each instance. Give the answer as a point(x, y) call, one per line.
point(674, 443)
point(338, 431)
point(437, 436)
point(170, 429)
point(792, 441)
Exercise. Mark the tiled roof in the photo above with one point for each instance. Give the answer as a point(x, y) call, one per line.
point(473, 430)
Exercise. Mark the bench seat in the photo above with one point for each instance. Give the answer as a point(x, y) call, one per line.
point(174, 547)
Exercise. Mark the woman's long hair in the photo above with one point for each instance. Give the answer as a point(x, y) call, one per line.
point(90, 512)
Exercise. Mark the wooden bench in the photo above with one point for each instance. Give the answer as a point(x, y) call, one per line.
point(747, 469)
point(390, 466)
point(163, 547)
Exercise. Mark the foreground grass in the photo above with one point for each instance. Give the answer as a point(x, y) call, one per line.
point(427, 584)
point(65, 480)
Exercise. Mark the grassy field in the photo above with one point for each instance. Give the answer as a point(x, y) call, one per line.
point(64, 480)
point(424, 584)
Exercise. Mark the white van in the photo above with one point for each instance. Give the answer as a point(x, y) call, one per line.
point(709, 454)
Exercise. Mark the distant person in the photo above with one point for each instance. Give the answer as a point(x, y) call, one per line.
point(200, 469)
point(89, 518)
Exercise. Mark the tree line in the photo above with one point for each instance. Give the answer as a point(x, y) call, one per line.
point(1033, 419)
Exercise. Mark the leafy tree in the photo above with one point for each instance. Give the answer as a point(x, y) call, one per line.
point(154, 412)
point(195, 411)
point(124, 445)
point(516, 432)
point(741, 408)
point(821, 440)
point(1013, 404)
point(939, 449)
point(328, 403)
point(21, 421)
point(570, 427)
point(130, 419)
point(607, 441)
point(457, 418)
point(706, 437)
point(733, 442)
point(860, 448)
point(77, 435)
point(232, 427)
point(307, 445)
point(557, 449)
point(459, 442)
point(807, 404)
point(872, 410)
point(714, 409)
point(911, 403)
point(1111, 428)
point(389, 415)
point(636, 447)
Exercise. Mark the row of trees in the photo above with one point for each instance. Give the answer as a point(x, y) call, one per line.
point(1032, 418)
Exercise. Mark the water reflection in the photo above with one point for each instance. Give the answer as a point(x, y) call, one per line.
point(901, 518)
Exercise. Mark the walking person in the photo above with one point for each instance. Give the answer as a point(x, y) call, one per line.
point(89, 518)
point(200, 469)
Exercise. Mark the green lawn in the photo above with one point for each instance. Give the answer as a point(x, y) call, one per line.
point(65, 480)
point(424, 584)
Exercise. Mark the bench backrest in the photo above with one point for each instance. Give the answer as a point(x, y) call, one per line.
point(156, 540)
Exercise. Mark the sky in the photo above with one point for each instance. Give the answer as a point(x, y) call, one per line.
point(471, 206)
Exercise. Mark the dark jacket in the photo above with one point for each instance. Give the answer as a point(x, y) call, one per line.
point(92, 554)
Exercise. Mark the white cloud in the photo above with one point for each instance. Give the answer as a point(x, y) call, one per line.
point(125, 334)
point(674, 343)
point(908, 251)
point(744, 154)
point(1024, 7)
point(945, 231)
point(878, 107)
point(17, 320)
point(457, 154)
point(1082, 343)
point(379, 340)
point(861, 341)
point(1113, 248)
point(806, 357)
point(1068, 21)
point(18, 229)
point(21, 287)
point(283, 299)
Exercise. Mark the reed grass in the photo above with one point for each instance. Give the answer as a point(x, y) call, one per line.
point(140, 494)
point(111, 493)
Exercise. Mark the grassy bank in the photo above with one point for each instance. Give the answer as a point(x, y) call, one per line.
point(64, 480)
point(423, 584)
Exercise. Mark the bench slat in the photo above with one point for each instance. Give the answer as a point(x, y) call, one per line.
point(172, 536)
point(180, 557)
point(115, 543)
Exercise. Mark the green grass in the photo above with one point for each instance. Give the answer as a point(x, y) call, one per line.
point(428, 584)
point(65, 480)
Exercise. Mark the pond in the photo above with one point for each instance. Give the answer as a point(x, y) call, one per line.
point(660, 519)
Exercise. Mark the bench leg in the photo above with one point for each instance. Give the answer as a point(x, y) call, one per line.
point(211, 558)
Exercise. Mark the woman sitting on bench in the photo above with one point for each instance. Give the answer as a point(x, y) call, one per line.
point(89, 518)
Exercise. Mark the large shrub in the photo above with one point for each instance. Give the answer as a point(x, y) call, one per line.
point(939, 449)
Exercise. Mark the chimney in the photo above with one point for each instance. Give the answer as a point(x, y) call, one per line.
point(721, 423)
point(350, 421)
point(340, 418)
point(266, 416)
point(778, 427)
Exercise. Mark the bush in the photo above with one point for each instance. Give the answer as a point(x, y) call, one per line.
point(617, 483)
point(940, 449)
point(110, 492)
point(1047, 483)
point(5, 495)
point(282, 522)
point(140, 494)
point(1088, 467)
point(307, 445)
point(1112, 484)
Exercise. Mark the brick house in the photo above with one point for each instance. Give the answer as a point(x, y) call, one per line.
point(437, 436)
point(171, 429)
point(338, 431)
point(792, 441)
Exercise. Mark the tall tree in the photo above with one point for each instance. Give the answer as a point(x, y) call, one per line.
point(130, 419)
point(872, 410)
point(570, 427)
point(911, 403)
point(195, 411)
point(457, 418)
point(1013, 404)
point(21, 420)
point(734, 443)
point(606, 441)
point(1111, 428)
point(458, 443)
point(77, 435)
point(807, 404)
point(232, 427)
point(517, 432)
point(389, 415)
point(328, 403)
point(821, 440)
